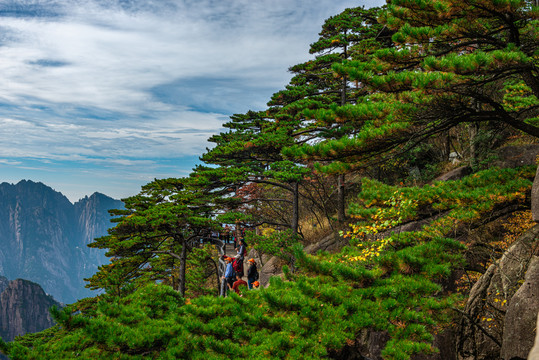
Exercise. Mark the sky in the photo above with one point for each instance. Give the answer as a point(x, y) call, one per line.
point(107, 95)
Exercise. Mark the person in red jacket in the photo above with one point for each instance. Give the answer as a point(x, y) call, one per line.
point(239, 282)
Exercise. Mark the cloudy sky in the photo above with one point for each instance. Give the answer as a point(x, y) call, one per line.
point(106, 95)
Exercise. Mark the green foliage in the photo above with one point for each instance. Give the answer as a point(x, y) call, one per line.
point(465, 200)
point(276, 243)
point(319, 308)
point(250, 153)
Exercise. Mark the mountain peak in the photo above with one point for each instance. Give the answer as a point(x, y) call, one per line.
point(44, 237)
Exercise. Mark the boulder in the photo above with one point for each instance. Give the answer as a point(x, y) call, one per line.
point(260, 258)
point(455, 174)
point(517, 155)
point(329, 243)
point(273, 267)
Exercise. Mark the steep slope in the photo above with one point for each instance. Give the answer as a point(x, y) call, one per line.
point(43, 237)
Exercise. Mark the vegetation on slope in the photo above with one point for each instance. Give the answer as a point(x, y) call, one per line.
point(383, 283)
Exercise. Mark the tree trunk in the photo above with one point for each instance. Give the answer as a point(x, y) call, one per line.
point(447, 154)
point(473, 131)
point(218, 276)
point(295, 208)
point(341, 215)
point(183, 260)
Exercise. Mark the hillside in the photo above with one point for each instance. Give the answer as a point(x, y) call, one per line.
point(400, 287)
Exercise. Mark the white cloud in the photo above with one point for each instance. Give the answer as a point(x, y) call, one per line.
point(115, 82)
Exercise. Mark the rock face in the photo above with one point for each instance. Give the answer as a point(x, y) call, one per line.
point(521, 316)
point(43, 237)
point(534, 353)
point(4, 282)
point(500, 314)
point(517, 155)
point(24, 307)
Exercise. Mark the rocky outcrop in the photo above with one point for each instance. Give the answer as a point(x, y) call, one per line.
point(455, 174)
point(43, 237)
point(331, 242)
point(24, 307)
point(273, 267)
point(499, 317)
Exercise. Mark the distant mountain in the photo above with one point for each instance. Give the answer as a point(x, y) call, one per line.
point(43, 237)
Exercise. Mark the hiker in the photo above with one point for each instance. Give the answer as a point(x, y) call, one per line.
point(242, 249)
point(230, 274)
point(252, 273)
point(239, 282)
point(227, 234)
point(237, 265)
point(256, 284)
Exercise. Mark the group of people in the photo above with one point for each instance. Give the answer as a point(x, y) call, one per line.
point(229, 235)
point(234, 272)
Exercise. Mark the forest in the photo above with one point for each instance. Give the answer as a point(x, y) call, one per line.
point(352, 148)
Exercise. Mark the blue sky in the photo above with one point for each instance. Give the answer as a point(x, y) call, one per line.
point(106, 95)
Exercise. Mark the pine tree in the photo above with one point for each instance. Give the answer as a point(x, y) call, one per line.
point(152, 236)
point(250, 154)
point(353, 33)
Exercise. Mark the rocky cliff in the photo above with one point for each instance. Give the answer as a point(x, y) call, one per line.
point(43, 237)
point(24, 307)
point(501, 311)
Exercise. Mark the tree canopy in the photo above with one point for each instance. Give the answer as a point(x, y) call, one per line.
point(451, 62)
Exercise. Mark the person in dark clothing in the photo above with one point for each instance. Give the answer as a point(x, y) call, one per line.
point(252, 273)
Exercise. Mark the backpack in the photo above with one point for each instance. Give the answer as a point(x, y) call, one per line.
point(237, 265)
point(256, 276)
